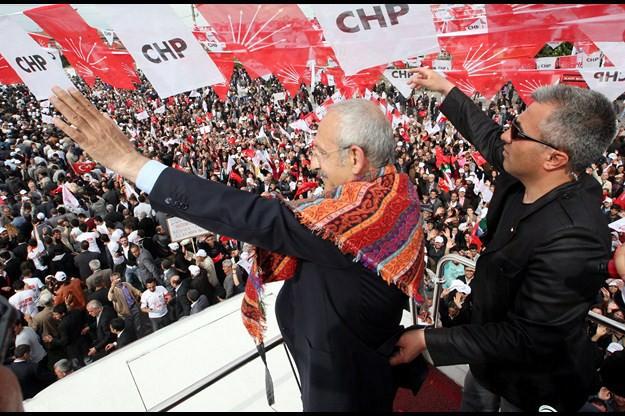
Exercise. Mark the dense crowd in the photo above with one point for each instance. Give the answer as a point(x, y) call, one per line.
point(91, 274)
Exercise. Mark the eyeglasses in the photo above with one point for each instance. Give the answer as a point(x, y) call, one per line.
point(320, 153)
point(517, 134)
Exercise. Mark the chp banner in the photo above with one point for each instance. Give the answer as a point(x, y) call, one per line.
point(399, 78)
point(609, 81)
point(162, 46)
point(366, 35)
point(39, 69)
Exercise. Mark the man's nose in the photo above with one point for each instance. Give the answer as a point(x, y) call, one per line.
point(506, 137)
point(314, 163)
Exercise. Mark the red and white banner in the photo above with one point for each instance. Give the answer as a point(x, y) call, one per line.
point(81, 45)
point(547, 63)
point(526, 82)
point(365, 35)
point(83, 167)
point(32, 63)
point(162, 46)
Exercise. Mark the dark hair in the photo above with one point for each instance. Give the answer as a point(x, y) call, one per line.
point(60, 308)
point(84, 245)
point(150, 280)
point(118, 324)
point(193, 295)
point(21, 350)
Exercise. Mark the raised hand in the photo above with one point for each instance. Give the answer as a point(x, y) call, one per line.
point(96, 133)
point(430, 79)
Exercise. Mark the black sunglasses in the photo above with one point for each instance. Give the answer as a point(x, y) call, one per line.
point(517, 134)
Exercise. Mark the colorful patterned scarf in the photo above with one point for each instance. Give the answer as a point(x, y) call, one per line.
point(377, 222)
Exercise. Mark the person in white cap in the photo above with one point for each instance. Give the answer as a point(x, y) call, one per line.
point(206, 263)
point(69, 291)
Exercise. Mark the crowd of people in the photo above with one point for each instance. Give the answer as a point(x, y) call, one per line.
point(93, 274)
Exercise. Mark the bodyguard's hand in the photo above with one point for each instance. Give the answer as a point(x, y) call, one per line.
point(410, 345)
point(96, 133)
point(430, 79)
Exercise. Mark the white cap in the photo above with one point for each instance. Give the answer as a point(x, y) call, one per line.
point(608, 200)
point(201, 253)
point(2, 229)
point(41, 216)
point(439, 239)
point(60, 276)
point(614, 347)
point(23, 192)
point(612, 155)
point(462, 190)
point(173, 246)
point(460, 286)
point(195, 270)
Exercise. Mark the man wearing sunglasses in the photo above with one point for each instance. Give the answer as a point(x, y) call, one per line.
point(546, 248)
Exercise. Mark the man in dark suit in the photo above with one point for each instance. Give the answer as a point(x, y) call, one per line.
point(179, 302)
point(125, 334)
point(546, 251)
point(339, 317)
point(70, 337)
point(102, 333)
point(32, 380)
point(83, 258)
point(198, 301)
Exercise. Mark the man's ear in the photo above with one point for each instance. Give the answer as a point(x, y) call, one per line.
point(556, 160)
point(357, 159)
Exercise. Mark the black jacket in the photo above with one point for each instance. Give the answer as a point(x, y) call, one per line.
point(338, 319)
point(533, 286)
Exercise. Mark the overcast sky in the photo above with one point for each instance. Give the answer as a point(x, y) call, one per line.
point(91, 15)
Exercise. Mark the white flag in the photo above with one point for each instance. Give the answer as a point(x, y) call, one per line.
point(301, 125)
point(69, 200)
point(365, 35)
point(589, 60)
point(142, 115)
point(36, 66)
point(230, 164)
point(204, 106)
point(398, 78)
point(162, 46)
point(108, 35)
point(609, 81)
point(261, 133)
point(160, 110)
point(194, 94)
point(546, 63)
point(129, 190)
point(47, 119)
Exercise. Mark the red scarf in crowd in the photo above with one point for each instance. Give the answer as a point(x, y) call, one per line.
point(377, 222)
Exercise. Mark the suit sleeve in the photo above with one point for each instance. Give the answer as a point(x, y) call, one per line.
point(475, 126)
point(556, 293)
point(266, 223)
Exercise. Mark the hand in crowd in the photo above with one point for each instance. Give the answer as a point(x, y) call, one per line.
point(96, 133)
point(409, 346)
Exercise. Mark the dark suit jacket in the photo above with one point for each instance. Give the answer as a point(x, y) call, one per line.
point(201, 304)
point(533, 286)
point(127, 336)
point(334, 314)
point(82, 262)
point(181, 304)
point(103, 333)
point(32, 381)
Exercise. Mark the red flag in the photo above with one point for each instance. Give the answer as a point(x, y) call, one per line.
point(567, 61)
point(526, 82)
point(305, 187)
point(249, 153)
point(256, 31)
point(42, 40)
point(83, 167)
point(82, 46)
point(7, 74)
point(236, 177)
point(479, 160)
point(474, 238)
point(441, 159)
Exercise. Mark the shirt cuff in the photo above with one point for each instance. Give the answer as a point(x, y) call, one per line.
point(148, 175)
